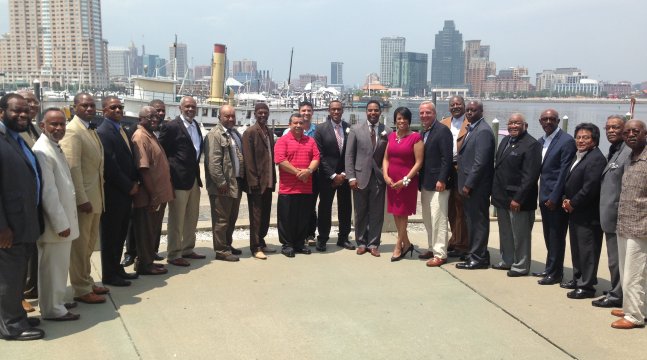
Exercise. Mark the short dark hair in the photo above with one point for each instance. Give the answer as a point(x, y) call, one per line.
point(374, 102)
point(457, 97)
point(77, 97)
point(49, 110)
point(305, 103)
point(4, 101)
point(295, 115)
point(595, 131)
point(107, 99)
point(156, 102)
point(334, 101)
point(404, 112)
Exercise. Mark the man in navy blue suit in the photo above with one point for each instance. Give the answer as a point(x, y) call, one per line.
point(558, 149)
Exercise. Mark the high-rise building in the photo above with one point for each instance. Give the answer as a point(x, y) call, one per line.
point(410, 73)
point(511, 80)
point(118, 62)
point(178, 53)
point(41, 46)
point(448, 58)
point(201, 71)
point(336, 73)
point(477, 66)
point(390, 46)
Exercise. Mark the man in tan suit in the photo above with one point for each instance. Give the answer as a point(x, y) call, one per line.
point(457, 124)
point(84, 154)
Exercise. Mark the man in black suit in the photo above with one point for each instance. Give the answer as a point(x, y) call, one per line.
point(475, 165)
point(331, 141)
point(558, 149)
point(435, 181)
point(20, 218)
point(121, 183)
point(182, 141)
point(582, 203)
point(514, 194)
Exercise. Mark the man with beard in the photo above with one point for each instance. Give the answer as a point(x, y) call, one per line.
point(364, 154)
point(457, 123)
point(20, 218)
point(61, 220)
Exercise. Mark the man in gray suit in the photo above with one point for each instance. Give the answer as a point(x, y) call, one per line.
point(475, 174)
point(618, 157)
point(364, 153)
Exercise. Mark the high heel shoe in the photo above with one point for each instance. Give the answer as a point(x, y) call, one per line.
point(410, 249)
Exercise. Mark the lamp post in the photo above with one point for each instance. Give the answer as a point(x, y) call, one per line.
point(565, 123)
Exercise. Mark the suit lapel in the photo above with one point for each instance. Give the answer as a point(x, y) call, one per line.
point(186, 133)
point(552, 143)
point(614, 158)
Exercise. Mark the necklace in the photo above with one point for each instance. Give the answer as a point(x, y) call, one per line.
point(399, 138)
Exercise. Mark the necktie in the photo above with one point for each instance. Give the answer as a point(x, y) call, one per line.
point(340, 137)
point(425, 136)
point(123, 135)
point(373, 135)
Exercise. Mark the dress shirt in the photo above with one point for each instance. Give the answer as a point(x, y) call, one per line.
point(32, 158)
point(457, 123)
point(236, 149)
point(191, 127)
point(339, 129)
point(578, 157)
point(547, 140)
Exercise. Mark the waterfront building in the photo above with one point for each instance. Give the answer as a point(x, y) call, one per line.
point(389, 46)
point(56, 41)
point(178, 51)
point(410, 73)
point(448, 58)
point(118, 62)
point(201, 71)
point(477, 66)
point(578, 85)
point(620, 89)
point(511, 80)
point(547, 79)
point(336, 73)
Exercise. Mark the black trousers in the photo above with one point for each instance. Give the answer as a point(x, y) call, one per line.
point(115, 222)
point(13, 267)
point(260, 208)
point(586, 245)
point(477, 216)
point(344, 209)
point(31, 277)
point(312, 224)
point(292, 214)
point(555, 225)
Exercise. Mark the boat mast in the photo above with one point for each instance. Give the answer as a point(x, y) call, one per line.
point(290, 72)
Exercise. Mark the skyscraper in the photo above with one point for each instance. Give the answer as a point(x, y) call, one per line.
point(178, 52)
point(390, 46)
point(477, 66)
point(448, 58)
point(336, 73)
point(410, 73)
point(41, 45)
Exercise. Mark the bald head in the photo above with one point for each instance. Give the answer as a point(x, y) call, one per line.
point(227, 116)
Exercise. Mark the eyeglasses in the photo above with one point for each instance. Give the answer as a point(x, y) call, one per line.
point(547, 119)
point(115, 107)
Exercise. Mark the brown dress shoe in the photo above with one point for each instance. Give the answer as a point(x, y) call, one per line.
point(361, 250)
point(618, 313)
point(375, 252)
point(67, 317)
point(178, 262)
point(90, 298)
point(426, 255)
point(152, 270)
point(27, 306)
point(436, 261)
point(625, 324)
point(195, 256)
point(100, 290)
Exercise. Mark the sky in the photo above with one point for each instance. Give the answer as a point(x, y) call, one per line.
point(605, 39)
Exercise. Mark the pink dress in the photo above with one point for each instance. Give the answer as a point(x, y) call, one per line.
point(402, 202)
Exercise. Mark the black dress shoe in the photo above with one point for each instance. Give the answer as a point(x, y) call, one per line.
point(128, 260)
point(472, 265)
point(456, 253)
point(321, 246)
point(605, 302)
point(549, 280)
point(29, 334)
point(581, 294)
point(235, 251)
point(568, 284)
point(157, 257)
point(540, 274)
point(346, 245)
point(511, 273)
point(33, 321)
point(288, 251)
point(116, 282)
point(500, 266)
point(127, 276)
point(303, 250)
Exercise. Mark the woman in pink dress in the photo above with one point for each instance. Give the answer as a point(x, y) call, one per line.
point(402, 161)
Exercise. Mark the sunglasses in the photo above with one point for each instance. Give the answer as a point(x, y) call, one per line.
point(115, 107)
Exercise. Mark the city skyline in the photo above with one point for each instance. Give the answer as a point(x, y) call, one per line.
point(590, 35)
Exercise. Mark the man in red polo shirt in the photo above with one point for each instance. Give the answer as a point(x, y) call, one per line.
point(297, 156)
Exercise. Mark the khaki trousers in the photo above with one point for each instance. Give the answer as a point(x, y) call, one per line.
point(435, 207)
point(53, 265)
point(183, 215)
point(224, 213)
point(633, 274)
point(81, 251)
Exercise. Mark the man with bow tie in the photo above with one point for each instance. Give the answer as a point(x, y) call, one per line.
point(514, 194)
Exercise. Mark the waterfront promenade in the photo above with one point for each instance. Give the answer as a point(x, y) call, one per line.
point(336, 305)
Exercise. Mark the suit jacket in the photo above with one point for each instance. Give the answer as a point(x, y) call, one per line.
point(218, 162)
point(582, 187)
point(259, 160)
point(59, 202)
point(516, 173)
point(362, 160)
point(332, 161)
point(19, 209)
point(476, 160)
point(554, 167)
point(119, 164)
point(84, 154)
point(611, 186)
point(182, 157)
point(461, 133)
point(437, 164)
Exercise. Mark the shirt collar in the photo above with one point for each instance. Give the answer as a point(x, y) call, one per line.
point(186, 122)
point(551, 136)
point(460, 118)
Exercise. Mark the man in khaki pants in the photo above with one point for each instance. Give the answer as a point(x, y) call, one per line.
point(84, 154)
